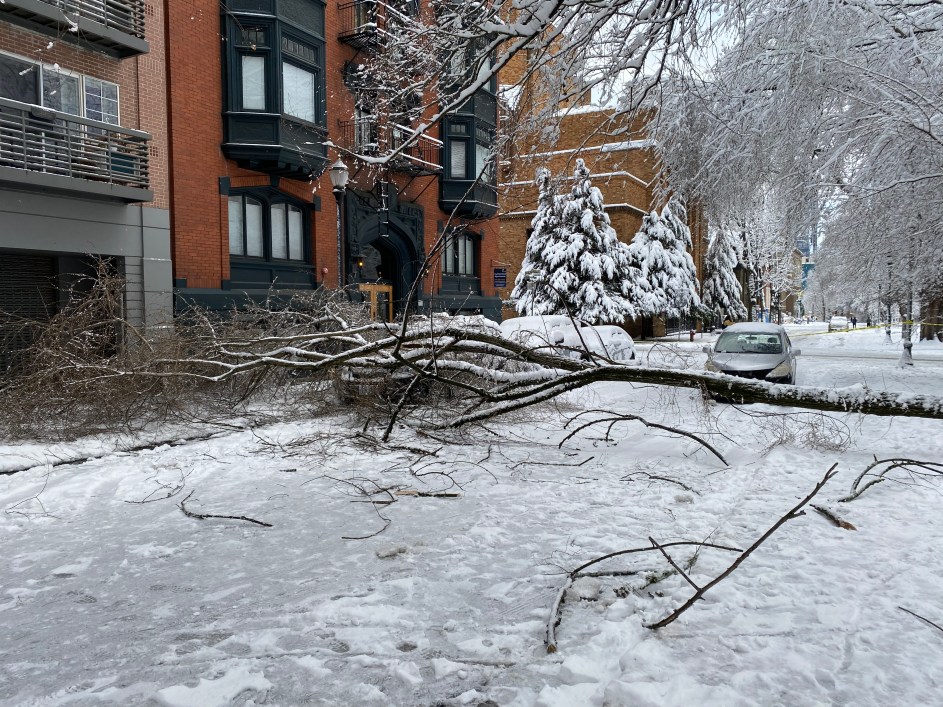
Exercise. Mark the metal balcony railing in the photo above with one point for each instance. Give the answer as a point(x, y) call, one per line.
point(362, 22)
point(367, 136)
point(40, 140)
point(125, 16)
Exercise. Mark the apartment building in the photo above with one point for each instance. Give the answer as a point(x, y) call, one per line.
point(83, 156)
point(264, 99)
point(622, 164)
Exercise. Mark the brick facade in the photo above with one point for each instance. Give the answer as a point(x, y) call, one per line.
point(199, 210)
point(621, 163)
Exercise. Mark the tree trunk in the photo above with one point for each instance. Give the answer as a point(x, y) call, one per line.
point(931, 311)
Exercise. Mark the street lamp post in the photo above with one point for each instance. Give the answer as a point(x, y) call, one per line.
point(339, 177)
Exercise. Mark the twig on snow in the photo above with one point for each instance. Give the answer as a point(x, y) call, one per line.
point(636, 418)
point(674, 564)
point(794, 512)
point(922, 618)
point(554, 619)
point(915, 467)
point(203, 516)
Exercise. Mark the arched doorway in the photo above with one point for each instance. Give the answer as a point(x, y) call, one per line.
point(376, 266)
point(385, 254)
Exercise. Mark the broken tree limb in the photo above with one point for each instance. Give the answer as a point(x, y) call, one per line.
point(868, 478)
point(203, 516)
point(792, 513)
point(653, 425)
point(554, 619)
point(922, 618)
point(832, 518)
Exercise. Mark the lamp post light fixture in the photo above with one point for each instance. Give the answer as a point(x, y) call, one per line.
point(339, 178)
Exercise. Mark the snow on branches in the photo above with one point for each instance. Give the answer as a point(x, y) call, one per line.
point(573, 263)
point(721, 292)
point(661, 274)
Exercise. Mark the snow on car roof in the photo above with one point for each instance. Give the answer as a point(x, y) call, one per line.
point(755, 328)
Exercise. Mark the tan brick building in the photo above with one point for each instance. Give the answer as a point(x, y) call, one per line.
point(83, 154)
point(261, 93)
point(622, 165)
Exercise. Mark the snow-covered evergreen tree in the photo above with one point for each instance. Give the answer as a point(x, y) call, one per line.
point(531, 294)
point(662, 279)
point(721, 292)
point(574, 263)
point(683, 286)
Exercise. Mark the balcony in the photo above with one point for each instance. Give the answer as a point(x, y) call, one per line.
point(115, 26)
point(468, 198)
point(363, 23)
point(45, 150)
point(366, 136)
point(272, 143)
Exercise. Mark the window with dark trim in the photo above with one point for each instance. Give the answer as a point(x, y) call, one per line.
point(460, 255)
point(277, 65)
point(469, 150)
point(268, 229)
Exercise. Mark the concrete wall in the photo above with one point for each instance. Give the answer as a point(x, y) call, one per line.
point(56, 225)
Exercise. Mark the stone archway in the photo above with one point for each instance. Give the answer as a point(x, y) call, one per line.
point(391, 247)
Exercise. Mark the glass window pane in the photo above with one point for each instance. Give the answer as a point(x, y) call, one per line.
point(279, 241)
point(298, 90)
point(18, 80)
point(457, 161)
point(254, 244)
point(236, 243)
point(482, 162)
point(469, 257)
point(462, 265)
point(61, 92)
point(295, 234)
point(253, 82)
point(450, 255)
point(101, 101)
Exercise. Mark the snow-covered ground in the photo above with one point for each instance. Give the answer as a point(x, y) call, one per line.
point(106, 599)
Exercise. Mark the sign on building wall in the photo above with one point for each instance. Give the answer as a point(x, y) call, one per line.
point(500, 278)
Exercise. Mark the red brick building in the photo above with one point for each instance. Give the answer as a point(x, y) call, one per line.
point(83, 155)
point(262, 101)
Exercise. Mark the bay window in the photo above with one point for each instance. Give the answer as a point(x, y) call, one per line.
point(276, 68)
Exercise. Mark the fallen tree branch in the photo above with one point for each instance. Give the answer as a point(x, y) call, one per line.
point(913, 466)
point(554, 619)
point(792, 513)
point(203, 516)
point(636, 418)
point(925, 620)
point(832, 518)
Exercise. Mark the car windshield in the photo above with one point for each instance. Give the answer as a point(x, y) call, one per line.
point(749, 342)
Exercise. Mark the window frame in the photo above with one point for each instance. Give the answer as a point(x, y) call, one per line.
point(83, 79)
point(278, 32)
point(269, 202)
point(460, 250)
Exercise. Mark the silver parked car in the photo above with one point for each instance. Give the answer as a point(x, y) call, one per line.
point(754, 350)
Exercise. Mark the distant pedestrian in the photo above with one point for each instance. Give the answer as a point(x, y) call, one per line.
point(854, 322)
point(869, 320)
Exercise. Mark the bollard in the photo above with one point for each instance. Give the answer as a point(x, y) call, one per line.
point(691, 333)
